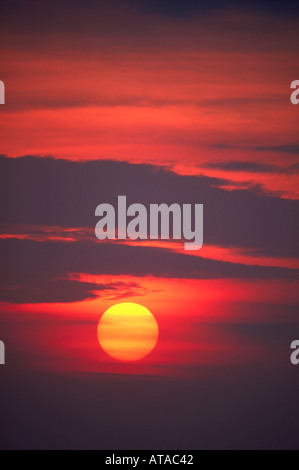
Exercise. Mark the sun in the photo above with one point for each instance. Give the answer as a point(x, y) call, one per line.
point(128, 332)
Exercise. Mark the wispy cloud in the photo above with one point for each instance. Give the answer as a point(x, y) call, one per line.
point(287, 148)
point(251, 166)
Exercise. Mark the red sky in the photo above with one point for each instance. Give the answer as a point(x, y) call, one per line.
point(193, 94)
point(182, 93)
point(164, 101)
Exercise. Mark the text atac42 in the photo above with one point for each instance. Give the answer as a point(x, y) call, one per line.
point(154, 459)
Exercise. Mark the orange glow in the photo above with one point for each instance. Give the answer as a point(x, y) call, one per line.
point(128, 332)
point(194, 318)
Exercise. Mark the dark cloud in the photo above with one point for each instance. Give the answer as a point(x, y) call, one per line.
point(279, 148)
point(145, 22)
point(37, 272)
point(43, 192)
point(48, 192)
point(177, 8)
point(41, 286)
point(93, 27)
point(45, 290)
point(251, 167)
point(57, 12)
point(287, 148)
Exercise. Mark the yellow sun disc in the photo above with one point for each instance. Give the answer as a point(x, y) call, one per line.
point(128, 332)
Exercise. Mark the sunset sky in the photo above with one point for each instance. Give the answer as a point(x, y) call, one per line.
point(164, 102)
